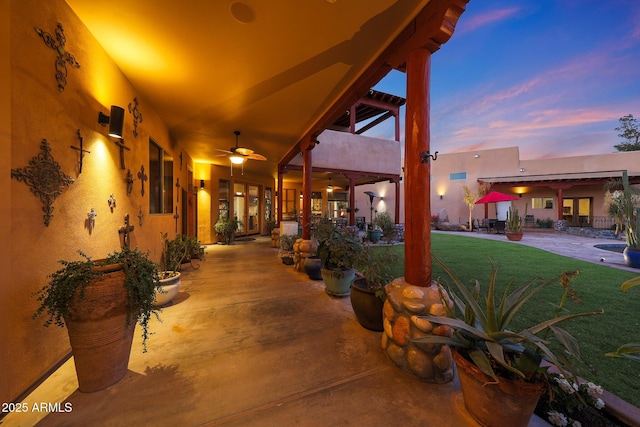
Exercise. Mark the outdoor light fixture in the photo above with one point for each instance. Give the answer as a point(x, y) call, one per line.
point(329, 187)
point(115, 121)
point(475, 156)
point(202, 184)
point(522, 169)
point(441, 196)
point(371, 195)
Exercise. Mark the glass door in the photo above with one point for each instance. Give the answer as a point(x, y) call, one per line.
point(254, 209)
point(239, 206)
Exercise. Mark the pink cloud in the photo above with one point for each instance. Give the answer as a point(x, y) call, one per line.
point(487, 18)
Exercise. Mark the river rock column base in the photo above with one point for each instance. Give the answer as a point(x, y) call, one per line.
point(405, 303)
point(301, 250)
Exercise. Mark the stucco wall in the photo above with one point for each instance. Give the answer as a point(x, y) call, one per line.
point(38, 110)
point(505, 162)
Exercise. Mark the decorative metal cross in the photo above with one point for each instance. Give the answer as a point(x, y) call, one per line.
point(178, 188)
point(81, 150)
point(140, 215)
point(126, 232)
point(112, 202)
point(176, 216)
point(120, 143)
point(129, 181)
point(63, 57)
point(142, 177)
point(181, 160)
point(44, 178)
point(137, 115)
point(91, 218)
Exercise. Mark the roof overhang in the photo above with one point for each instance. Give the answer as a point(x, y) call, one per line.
point(560, 179)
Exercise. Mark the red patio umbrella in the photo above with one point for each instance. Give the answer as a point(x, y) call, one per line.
point(495, 196)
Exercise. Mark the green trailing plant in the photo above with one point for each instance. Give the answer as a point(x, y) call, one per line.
point(545, 223)
point(141, 281)
point(480, 328)
point(179, 250)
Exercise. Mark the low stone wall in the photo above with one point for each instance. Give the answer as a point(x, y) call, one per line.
point(405, 303)
point(593, 232)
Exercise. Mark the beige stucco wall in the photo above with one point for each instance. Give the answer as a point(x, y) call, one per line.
point(505, 162)
point(37, 110)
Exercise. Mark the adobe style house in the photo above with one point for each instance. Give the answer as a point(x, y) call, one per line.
point(183, 77)
point(563, 188)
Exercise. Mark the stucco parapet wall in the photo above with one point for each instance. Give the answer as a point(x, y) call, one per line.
point(346, 151)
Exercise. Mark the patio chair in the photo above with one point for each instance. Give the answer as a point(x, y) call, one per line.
point(499, 227)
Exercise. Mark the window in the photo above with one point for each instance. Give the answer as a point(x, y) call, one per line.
point(542, 202)
point(457, 176)
point(160, 180)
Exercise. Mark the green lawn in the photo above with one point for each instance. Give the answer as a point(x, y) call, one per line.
point(597, 287)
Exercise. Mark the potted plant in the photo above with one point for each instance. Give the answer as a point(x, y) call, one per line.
point(100, 303)
point(339, 255)
point(367, 289)
point(226, 229)
point(384, 223)
point(174, 253)
point(622, 205)
point(513, 225)
point(286, 248)
point(495, 364)
point(545, 223)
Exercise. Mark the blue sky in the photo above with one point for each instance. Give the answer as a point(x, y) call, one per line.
point(551, 77)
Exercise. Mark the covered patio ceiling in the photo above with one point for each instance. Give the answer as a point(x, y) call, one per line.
point(278, 71)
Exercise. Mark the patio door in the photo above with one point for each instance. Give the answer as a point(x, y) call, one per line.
point(246, 207)
point(577, 211)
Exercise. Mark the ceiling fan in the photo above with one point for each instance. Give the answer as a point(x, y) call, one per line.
point(239, 154)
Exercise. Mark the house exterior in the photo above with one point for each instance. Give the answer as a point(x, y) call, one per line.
point(562, 188)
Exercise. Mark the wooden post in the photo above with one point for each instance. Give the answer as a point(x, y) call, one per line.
point(417, 174)
point(560, 205)
point(280, 195)
point(306, 189)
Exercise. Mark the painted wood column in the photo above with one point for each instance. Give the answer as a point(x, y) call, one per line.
point(352, 200)
point(560, 205)
point(397, 210)
point(280, 195)
point(306, 189)
point(417, 175)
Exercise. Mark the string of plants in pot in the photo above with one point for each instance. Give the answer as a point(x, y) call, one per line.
point(503, 373)
point(100, 303)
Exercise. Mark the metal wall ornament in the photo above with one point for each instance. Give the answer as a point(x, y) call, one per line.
point(44, 178)
point(121, 145)
point(112, 202)
point(81, 151)
point(91, 219)
point(142, 177)
point(129, 181)
point(63, 57)
point(137, 115)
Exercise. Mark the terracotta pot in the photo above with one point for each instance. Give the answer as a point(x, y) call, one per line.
point(514, 236)
point(366, 305)
point(100, 338)
point(506, 403)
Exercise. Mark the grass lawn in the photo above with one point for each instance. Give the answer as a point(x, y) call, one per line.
point(598, 287)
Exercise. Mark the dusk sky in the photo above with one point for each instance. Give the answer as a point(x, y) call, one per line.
point(551, 77)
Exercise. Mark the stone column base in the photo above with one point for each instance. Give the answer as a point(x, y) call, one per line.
point(428, 362)
point(303, 249)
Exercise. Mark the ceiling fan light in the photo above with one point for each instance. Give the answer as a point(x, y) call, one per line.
point(236, 159)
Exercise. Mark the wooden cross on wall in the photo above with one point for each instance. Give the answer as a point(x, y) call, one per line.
point(142, 177)
point(120, 143)
point(176, 216)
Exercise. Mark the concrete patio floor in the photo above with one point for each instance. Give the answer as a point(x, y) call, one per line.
point(250, 342)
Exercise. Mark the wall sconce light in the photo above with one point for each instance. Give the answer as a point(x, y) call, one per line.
point(522, 169)
point(520, 194)
point(441, 196)
point(329, 187)
point(115, 121)
point(202, 184)
point(475, 156)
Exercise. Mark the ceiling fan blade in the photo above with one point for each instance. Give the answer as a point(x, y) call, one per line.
point(244, 151)
point(224, 151)
point(255, 156)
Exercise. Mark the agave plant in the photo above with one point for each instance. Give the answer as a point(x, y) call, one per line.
point(482, 333)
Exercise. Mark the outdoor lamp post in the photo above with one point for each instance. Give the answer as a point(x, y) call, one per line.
point(371, 195)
